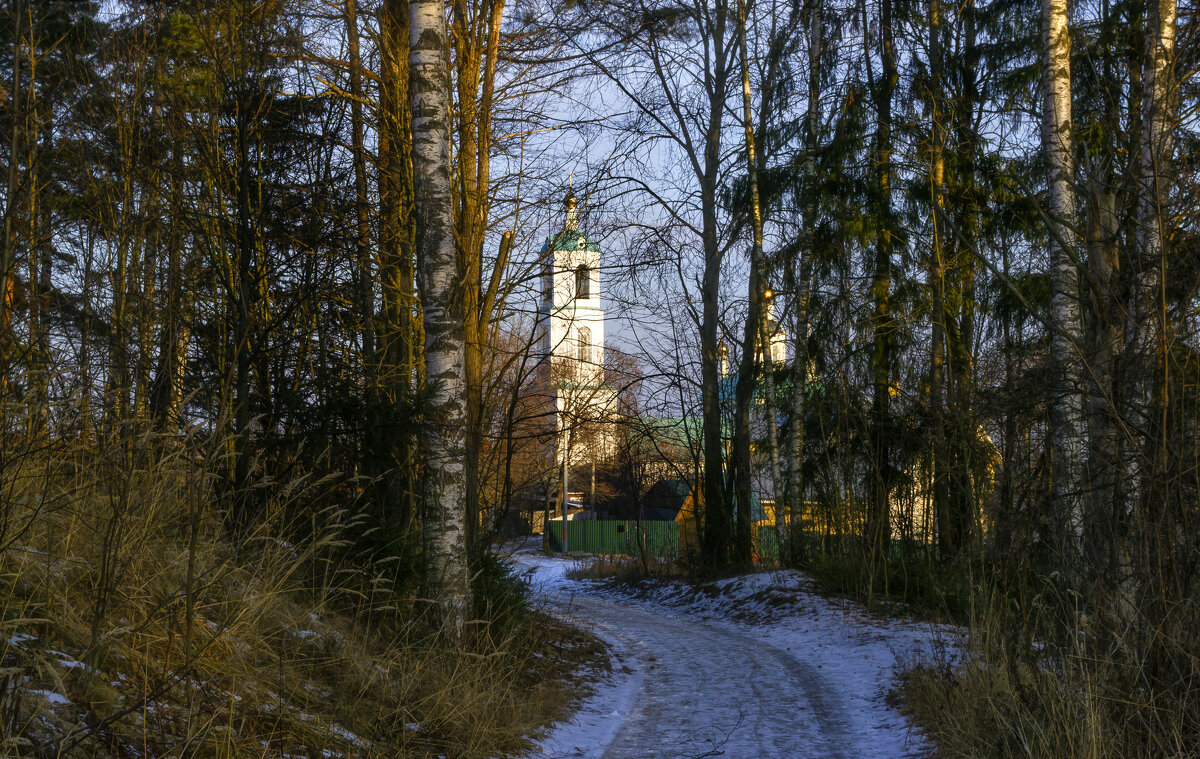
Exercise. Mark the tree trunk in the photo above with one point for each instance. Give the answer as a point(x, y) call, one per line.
point(879, 517)
point(9, 243)
point(962, 438)
point(373, 462)
point(717, 514)
point(1148, 308)
point(800, 286)
point(39, 255)
point(476, 48)
point(400, 329)
point(1065, 403)
point(444, 495)
point(1105, 519)
point(246, 290)
point(1161, 519)
point(758, 331)
point(755, 327)
point(167, 397)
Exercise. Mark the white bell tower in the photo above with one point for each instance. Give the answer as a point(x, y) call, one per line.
point(571, 317)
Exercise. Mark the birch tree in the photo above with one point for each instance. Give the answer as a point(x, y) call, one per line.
point(1065, 407)
point(444, 492)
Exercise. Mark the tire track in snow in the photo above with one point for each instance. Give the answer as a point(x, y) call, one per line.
point(707, 691)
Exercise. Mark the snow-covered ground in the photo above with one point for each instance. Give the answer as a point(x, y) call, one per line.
point(752, 667)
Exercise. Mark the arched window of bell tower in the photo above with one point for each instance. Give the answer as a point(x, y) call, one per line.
point(583, 282)
point(585, 345)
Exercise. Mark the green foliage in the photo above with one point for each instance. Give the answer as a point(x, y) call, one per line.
point(501, 597)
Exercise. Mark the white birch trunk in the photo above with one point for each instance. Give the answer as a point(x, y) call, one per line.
point(1066, 408)
point(444, 493)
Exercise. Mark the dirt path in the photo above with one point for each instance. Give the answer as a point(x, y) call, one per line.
point(690, 684)
point(706, 691)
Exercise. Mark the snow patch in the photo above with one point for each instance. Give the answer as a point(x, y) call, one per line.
point(52, 697)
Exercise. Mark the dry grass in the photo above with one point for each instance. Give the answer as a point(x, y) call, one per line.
point(134, 623)
point(1060, 699)
point(625, 569)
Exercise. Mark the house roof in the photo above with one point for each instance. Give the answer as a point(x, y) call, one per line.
point(662, 502)
point(666, 497)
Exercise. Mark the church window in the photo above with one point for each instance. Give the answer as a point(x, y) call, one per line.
point(583, 282)
point(585, 345)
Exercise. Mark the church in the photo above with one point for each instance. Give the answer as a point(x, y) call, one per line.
point(589, 431)
point(570, 322)
point(593, 442)
point(603, 461)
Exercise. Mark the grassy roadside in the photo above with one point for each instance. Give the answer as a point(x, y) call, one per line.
point(133, 622)
point(623, 569)
point(915, 590)
point(1018, 690)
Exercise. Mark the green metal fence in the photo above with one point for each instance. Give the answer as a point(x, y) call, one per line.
point(622, 537)
point(767, 545)
point(662, 540)
point(615, 537)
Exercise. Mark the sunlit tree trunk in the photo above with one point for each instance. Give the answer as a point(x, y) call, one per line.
point(37, 236)
point(362, 242)
point(475, 38)
point(400, 329)
point(444, 496)
point(178, 299)
point(8, 259)
point(937, 291)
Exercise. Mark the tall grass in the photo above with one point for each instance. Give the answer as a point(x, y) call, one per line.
point(1023, 689)
point(135, 622)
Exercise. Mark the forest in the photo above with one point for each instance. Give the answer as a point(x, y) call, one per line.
point(268, 320)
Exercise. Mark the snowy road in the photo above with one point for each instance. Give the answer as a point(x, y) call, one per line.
point(749, 668)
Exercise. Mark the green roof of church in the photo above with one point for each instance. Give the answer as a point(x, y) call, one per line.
point(569, 240)
point(683, 431)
